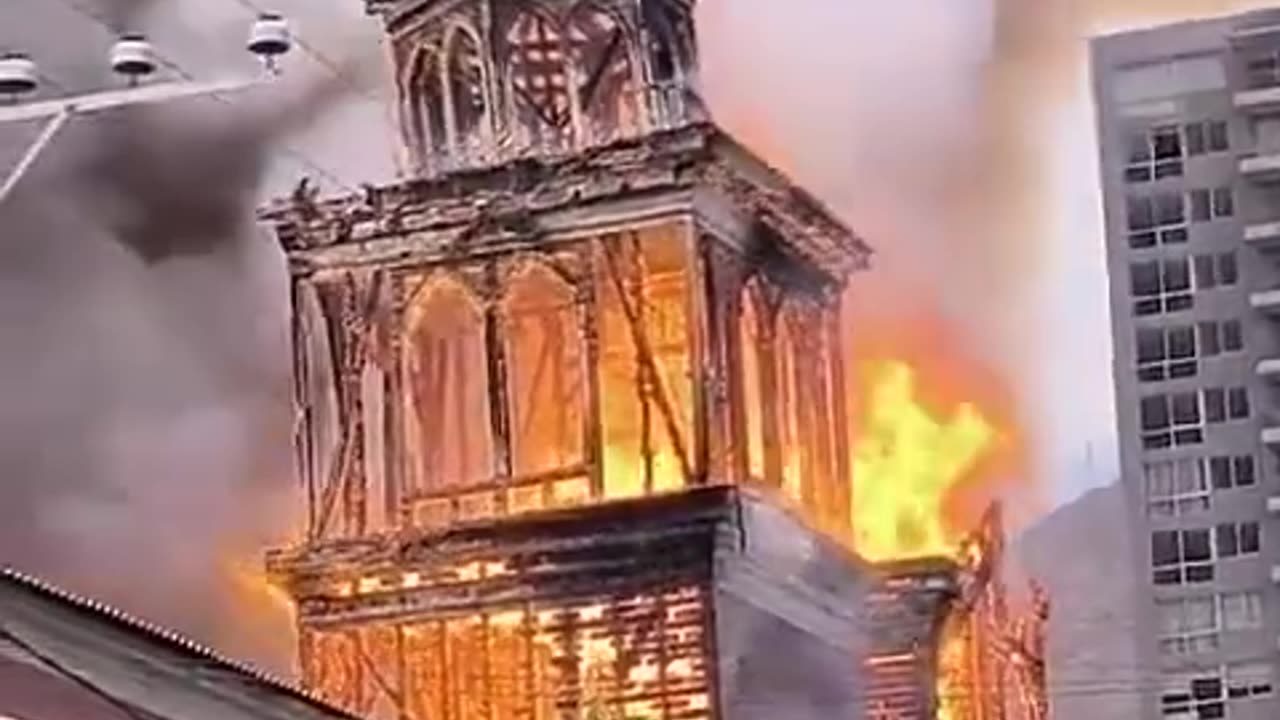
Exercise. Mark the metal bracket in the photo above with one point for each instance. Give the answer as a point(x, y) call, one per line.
point(60, 111)
point(51, 128)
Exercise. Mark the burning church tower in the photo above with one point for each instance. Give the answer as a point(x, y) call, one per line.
point(571, 400)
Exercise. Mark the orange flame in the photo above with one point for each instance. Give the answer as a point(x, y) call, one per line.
point(905, 462)
point(933, 438)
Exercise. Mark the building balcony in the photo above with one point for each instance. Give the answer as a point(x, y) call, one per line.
point(1263, 32)
point(1262, 168)
point(1269, 369)
point(1264, 236)
point(1271, 436)
point(1266, 302)
point(1259, 101)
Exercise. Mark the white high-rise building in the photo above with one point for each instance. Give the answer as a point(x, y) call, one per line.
point(1189, 129)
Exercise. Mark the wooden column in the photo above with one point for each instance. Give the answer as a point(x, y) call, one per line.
point(587, 300)
point(703, 340)
point(496, 375)
point(737, 444)
point(767, 315)
point(842, 443)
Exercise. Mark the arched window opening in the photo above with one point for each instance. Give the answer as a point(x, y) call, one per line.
point(545, 372)
point(539, 86)
point(428, 107)
point(668, 58)
point(601, 52)
point(465, 78)
point(448, 428)
point(668, 54)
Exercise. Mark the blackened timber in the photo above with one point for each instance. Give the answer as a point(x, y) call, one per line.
point(702, 321)
point(589, 327)
point(496, 376)
point(653, 166)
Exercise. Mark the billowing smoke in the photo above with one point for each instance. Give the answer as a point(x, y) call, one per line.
point(144, 409)
point(956, 135)
point(145, 422)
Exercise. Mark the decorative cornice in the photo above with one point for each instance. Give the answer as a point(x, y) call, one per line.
point(508, 196)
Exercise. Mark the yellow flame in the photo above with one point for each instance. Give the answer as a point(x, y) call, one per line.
point(905, 462)
point(954, 678)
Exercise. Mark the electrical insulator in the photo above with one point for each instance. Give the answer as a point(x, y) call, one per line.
point(18, 75)
point(269, 37)
point(133, 57)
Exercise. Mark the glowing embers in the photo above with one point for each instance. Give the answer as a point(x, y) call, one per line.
point(644, 371)
point(455, 574)
point(906, 461)
point(635, 656)
point(957, 679)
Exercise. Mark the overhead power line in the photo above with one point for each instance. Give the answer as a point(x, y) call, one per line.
point(173, 66)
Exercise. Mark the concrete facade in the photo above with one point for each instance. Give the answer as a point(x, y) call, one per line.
point(1189, 127)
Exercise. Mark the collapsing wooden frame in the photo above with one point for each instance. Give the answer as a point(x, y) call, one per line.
point(645, 321)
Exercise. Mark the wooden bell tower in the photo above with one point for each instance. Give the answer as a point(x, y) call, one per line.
point(571, 399)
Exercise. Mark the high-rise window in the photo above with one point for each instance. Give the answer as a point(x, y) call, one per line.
point(1227, 472)
point(1155, 154)
point(1181, 557)
point(1161, 286)
point(1169, 420)
point(1188, 626)
point(1248, 680)
point(1219, 270)
point(1242, 610)
point(1204, 694)
point(1216, 337)
point(1209, 204)
point(1199, 696)
point(1238, 539)
point(1176, 487)
point(1263, 70)
point(1166, 353)
point(1206, 137)
point(1224, 404)
point(1160, 218)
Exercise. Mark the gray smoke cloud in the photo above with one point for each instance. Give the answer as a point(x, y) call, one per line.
point(950, 133)
point(145, 423)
